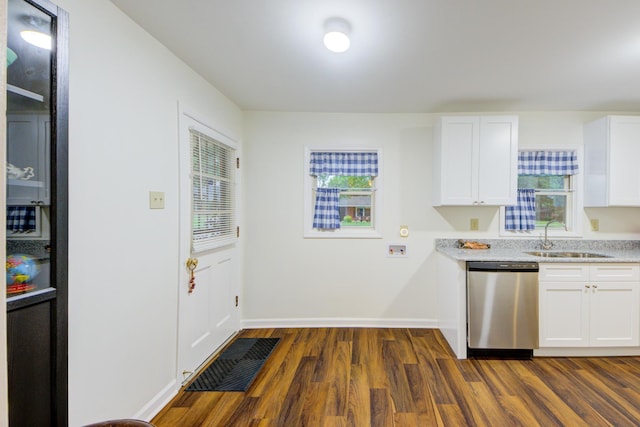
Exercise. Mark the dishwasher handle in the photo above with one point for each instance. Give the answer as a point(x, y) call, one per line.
point(502, 266)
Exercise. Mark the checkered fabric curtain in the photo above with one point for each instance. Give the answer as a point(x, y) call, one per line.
point(327, 210)
point(21, 219)
point(344, 163)
point(522, 216)
point(547, 163)
point(326, 215)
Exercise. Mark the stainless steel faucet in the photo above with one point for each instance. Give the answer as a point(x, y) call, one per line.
point(546, 243)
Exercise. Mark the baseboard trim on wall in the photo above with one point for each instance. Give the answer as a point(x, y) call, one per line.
point(339, 322)
point(159, 401)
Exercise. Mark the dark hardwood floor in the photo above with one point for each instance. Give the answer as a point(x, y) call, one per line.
point(410, 377)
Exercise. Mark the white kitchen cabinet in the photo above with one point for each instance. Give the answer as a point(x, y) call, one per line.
point(475, 161)
point(29, 151)
point(589, 305)
point(612, 150)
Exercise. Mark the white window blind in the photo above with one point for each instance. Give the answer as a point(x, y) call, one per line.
point(213, 216)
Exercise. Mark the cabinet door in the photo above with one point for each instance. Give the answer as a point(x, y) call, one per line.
point(624, 152)
point(498, 161)
point(614, 312)
point(564, 312)
point(28, 149)
point(457, 165)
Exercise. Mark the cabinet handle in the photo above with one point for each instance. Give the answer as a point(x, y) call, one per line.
point(595, 286)
point(587, 286)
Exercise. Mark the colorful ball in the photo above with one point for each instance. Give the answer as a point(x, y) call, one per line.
point(21, 268)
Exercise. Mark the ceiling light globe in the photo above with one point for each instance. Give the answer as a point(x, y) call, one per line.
point(337, 41)
point(36, 38)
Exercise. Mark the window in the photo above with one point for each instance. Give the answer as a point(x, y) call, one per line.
point(553, 198)
point(342, 193)
point(546, 192)
point(213, 222)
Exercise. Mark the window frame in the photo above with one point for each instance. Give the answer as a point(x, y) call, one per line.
point(228, 145)
point(574, 205)
point(373, 232)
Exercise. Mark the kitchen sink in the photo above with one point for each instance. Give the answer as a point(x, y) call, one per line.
point(562, 254)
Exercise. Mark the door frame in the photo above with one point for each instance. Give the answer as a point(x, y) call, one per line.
point(189, 119)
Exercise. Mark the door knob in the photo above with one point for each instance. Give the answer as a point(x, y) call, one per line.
point(192, 263)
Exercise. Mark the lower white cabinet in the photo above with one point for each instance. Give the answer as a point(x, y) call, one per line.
point(589, 305)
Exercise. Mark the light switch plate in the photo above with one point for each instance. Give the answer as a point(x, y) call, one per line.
point(595, 225)
point(474, 224)
point(156, 199)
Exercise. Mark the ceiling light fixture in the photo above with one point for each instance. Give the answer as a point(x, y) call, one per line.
point(37, 38)
point(336, 37)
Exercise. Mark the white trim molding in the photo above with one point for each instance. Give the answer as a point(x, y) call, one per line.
point(339, 322)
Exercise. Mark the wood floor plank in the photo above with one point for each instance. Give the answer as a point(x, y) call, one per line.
point(588, 403)
point(381, 408)
point(493, 411)
point(439, 388)
point(373, 360)
point(398, 383)
point(279, 374)
point(519, 412)
point(242, 415)
point(548, 403)
point(315, 399)
point(291, 408)
point(359, 398)
point(422, 398)
point(338, 378)
point(334, 422)
point(359, 377)
point(611, 406)
point(470, 407)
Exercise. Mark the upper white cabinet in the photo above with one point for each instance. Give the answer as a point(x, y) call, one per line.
point(612, 150)
point(29, 157)
point(475, 161)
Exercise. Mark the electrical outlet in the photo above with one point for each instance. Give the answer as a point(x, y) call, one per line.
point(474, 224)
point(397, 251)
point(595, 225)
point(156, 199)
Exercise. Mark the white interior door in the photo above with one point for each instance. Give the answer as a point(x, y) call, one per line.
point(208, 315)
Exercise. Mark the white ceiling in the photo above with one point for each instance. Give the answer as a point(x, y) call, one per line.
point(408, 56)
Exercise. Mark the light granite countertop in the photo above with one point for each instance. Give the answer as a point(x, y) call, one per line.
point(514, 250)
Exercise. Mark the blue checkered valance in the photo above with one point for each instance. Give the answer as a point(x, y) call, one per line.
point(344, 163)
point(547, 163)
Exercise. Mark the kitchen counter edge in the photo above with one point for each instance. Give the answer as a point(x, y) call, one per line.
point(617, 251)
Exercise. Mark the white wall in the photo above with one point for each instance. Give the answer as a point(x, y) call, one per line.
point(290, 280)
point(123, 257)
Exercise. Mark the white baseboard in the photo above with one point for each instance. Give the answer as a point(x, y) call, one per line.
point(339, 322)
point(586, 351)
point(159, 401)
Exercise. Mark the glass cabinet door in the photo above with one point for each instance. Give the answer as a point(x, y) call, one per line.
point(30, 56)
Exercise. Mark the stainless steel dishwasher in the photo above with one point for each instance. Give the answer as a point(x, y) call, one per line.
point(502, 308)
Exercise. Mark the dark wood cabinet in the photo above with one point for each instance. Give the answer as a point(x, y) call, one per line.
point(31, 352)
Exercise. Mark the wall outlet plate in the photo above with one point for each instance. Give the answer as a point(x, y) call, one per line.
point(595, 225)
point(397, 251)
point(156, 199)
point(474, 224)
